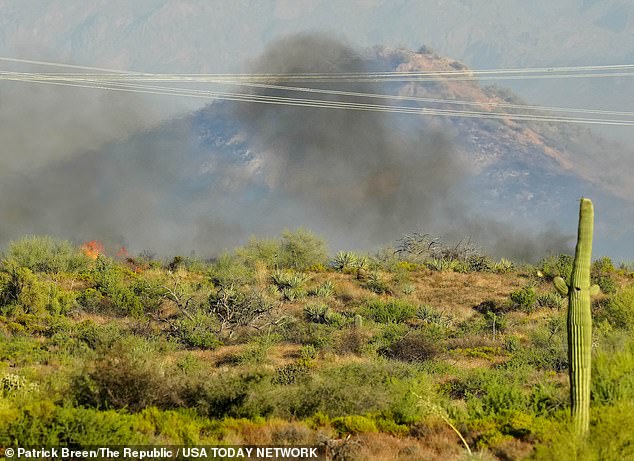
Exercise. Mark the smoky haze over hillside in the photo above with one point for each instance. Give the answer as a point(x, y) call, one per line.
point(360, 173)
point(347, 174)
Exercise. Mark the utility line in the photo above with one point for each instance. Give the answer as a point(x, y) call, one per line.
point(323, 103)
point(83, 77)
point(466, 72)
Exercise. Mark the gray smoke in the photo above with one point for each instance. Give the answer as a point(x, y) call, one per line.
point(367, 174)
point(83, 166)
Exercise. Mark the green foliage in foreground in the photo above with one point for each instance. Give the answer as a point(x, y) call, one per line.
point(271, 344)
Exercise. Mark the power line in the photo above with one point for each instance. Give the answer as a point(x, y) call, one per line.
point(120, 80)
point(264, 99)
point(90, 77)
point(549, 71)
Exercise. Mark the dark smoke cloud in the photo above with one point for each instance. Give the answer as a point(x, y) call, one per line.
point(352, 168)
point(362, 174)
point(72, 167)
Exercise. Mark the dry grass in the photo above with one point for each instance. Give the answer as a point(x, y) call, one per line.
point(457, 293)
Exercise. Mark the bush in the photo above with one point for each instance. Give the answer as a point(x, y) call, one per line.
point(551, 300)
point(325, 290)
point(45, 254)
point(353, 425)
point(377, 284)
point(393, 311)
point(263, 251)
point(611, 437)
point(227, 271)
point(344, 261)
point(556, 266)
point(198, 331)
point(129, 375)
point(429, 315)
point(110, 281)
point(618, 310)
point(233, 307)
point(360, 389)
point(291, 373)
point(613, 373)
point(302, 249)
point(413, 347)
point(546, 350)
point(524, 299)
point(233, 394)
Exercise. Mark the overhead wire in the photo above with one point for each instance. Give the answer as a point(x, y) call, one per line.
point(83, 77)
point(120, 80)
point(303, 102)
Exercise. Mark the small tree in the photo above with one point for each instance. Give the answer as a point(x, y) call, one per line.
point(302, 249)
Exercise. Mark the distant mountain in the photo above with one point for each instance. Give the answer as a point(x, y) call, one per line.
point(210, 179)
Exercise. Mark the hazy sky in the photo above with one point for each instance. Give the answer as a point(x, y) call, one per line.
point(184, 36)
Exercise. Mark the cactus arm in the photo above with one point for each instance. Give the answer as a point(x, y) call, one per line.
point(580, 322)
point(561, 286)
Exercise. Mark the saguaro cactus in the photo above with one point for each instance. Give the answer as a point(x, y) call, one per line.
point(580, 320)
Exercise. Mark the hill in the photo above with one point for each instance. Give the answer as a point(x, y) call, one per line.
point(208, 180)
point(364, 356)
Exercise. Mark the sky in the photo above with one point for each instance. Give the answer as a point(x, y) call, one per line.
point(189, 36)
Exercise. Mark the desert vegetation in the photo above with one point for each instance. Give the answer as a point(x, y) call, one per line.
point(421, 351)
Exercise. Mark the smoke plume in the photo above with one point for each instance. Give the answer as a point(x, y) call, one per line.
point(368, 174)
point(73, 166)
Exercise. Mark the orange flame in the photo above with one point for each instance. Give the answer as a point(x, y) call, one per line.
point(123, 253)
point(92, 249)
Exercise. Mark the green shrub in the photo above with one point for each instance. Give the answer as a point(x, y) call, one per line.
point(546, 349)
point(428, 314)
point(20, 287)
point(302, 249)
point(291, 373)
point(234, 394)
point(377, 284)
point(99, 336)
point(129, 375)
point(358, 389)
point(91, 300)
point(416, 346)
point(316, 335)
point(288, 279)
point(343, 261)
point(258, 350)
point(551, 300)
point(353, 425)
point(611, 437)
point(236, 307)
point(618, 310)
point(503, 266)
point(45, 254)
point(393, 311)
point(479, 263)
point(263, 251)
point(613, 373)
point(40, 423)
point(524, 299)
point(556, 266)
point(490, 393)
point(22, 350)
point(227, 271)
point(441, 265)
point(325, 290)
point(110, 281)
point(197, 331)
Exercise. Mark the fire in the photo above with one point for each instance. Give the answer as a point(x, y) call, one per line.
point(92, 249)
point(123, 253)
